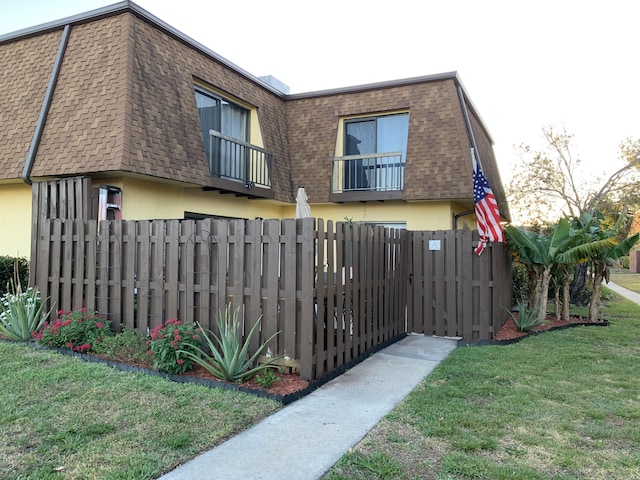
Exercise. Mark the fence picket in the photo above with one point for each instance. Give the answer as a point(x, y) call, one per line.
point(319, 294)
point(270, 282)
point(171, 266)
point(128, 288)
point(289, 321)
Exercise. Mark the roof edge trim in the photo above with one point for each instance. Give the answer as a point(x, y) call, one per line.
point(377, 85)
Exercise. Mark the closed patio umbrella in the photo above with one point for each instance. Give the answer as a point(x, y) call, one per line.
point(302, 206)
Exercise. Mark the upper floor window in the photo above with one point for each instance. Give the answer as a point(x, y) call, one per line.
point(227, 141)
point(375, 151)
point(228, 119)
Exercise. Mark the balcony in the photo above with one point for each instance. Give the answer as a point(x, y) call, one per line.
point(239, 167)
point(372, 176)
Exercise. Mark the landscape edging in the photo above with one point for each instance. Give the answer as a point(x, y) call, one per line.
point(510, 341)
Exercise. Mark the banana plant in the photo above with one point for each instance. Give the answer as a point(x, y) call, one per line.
point(540, 253)
point(600, 249)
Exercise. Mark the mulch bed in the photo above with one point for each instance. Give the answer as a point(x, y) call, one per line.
point(510, 334)
point(287, 388)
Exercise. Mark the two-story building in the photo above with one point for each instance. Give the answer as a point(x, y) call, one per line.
point(166, 128)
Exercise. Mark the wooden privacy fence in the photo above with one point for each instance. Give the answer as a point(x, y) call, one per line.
point(334, 294)
point(334, 291)
point(453, 291)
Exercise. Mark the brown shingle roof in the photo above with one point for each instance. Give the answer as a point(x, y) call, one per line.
point(125, 103)
point(25, 67)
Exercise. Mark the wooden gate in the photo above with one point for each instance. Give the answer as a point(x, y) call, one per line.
point(454, 292)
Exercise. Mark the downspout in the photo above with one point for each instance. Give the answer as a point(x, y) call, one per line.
point(37, 135)
point(467, 123)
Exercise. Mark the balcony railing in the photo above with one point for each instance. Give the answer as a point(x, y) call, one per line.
point(372, 172)
point(238, 161)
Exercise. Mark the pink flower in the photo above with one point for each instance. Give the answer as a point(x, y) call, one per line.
point(176, 332)
point(195, 337)
point(70, 345)
point(179, 361)
point(177, 337)
point(99, 324)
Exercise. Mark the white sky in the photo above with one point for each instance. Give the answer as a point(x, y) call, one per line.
point(525, 65)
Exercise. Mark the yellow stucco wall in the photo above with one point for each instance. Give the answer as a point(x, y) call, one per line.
point(417, 215)
point(142, 200)
point(15, 220)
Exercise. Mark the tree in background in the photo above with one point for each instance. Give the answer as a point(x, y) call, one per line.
point(552, 183)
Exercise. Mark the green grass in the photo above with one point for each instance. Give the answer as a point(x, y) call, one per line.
point(62, 418)
point(627, 280)
point(562, 405)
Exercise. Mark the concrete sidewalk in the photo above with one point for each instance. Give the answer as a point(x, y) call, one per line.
point(305, 439)
point(628, 294)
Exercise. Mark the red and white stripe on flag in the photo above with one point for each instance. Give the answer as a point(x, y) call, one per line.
point(486, 209)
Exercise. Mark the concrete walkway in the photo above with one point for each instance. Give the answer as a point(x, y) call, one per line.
point(305, 439)
point(628, 294)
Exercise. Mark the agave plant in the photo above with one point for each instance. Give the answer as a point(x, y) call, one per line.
point(230, 359)
point(21, 313)
point(527, 318)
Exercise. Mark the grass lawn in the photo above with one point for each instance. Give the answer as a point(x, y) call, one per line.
point(561, 405)
point(627, 280)
point(62, 418)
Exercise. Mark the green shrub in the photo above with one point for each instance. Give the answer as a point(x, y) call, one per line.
point(174, 345)
point(126, 346)
point(624, 261)
point(8, 265)
point(266, 378)
point(78, 330)
point(230, 359)
point(519, 283)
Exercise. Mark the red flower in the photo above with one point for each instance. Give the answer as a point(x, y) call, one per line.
point(179, 361)
point(99, 324)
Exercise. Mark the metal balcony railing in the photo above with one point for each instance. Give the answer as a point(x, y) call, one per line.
point(238, 161)
point(376, 172)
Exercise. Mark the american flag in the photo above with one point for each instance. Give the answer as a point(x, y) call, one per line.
point(486, 207)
